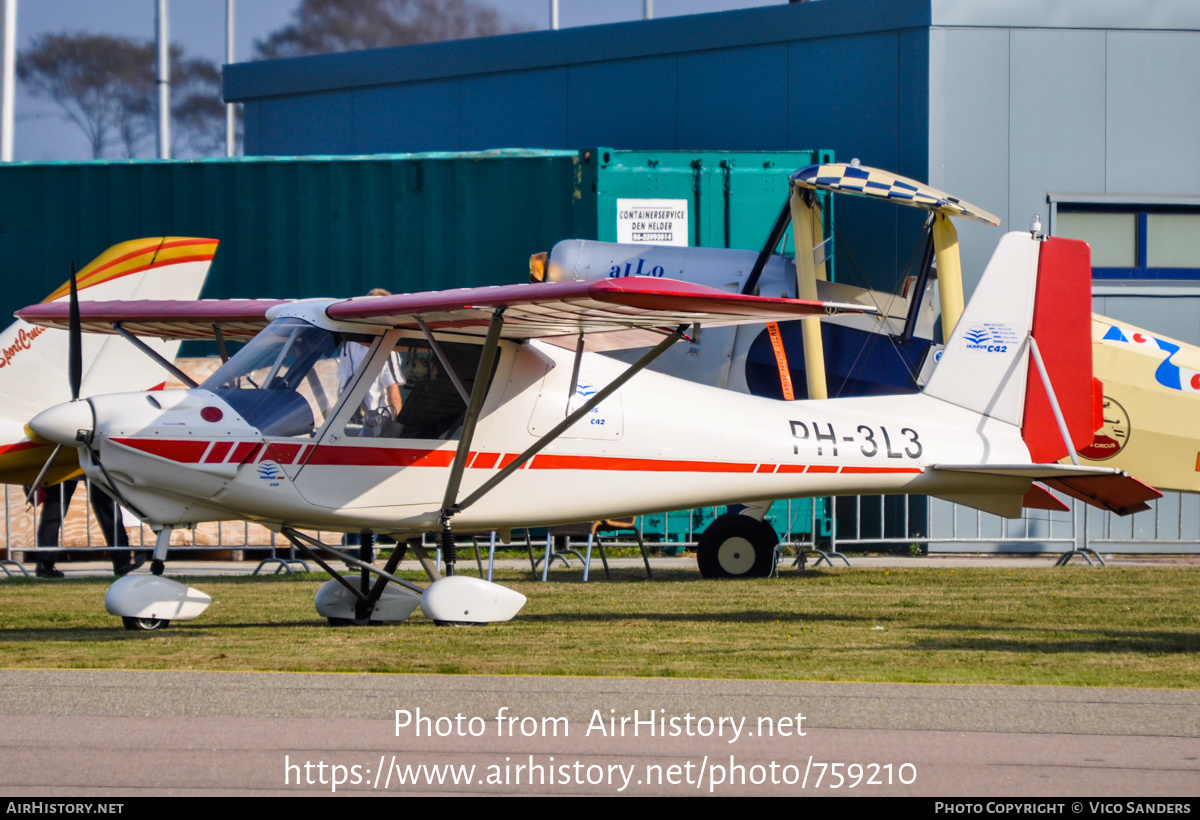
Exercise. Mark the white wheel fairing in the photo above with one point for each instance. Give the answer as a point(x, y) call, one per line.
point(336, 602)
point(461, 599)
point(154, 597)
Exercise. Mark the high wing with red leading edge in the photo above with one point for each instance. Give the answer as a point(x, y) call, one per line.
point(507, 419)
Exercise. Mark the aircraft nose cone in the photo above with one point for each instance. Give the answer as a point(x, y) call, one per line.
point(61, 423)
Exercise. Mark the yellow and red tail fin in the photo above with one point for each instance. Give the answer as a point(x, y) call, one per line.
point(136, 256)
point(33, 360)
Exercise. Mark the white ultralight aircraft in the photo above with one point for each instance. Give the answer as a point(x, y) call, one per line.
point(508, 421)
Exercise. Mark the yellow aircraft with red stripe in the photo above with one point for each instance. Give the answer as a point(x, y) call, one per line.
point(33, 359)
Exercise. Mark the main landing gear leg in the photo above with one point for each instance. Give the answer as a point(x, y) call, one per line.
point(345, 603)
point(366, 554)
point(449, 548)
point(161, 543)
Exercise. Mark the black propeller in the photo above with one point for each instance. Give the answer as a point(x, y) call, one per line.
point(74, 373)
point(75, 342)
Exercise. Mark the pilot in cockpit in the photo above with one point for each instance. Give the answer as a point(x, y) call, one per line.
point(381, 405)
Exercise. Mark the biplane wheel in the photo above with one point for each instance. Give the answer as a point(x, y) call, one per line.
point(145, 624)
point(736, 546)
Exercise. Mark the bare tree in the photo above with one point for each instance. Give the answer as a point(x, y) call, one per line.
point(105, 85)
point(94, 79)
point(326, 26)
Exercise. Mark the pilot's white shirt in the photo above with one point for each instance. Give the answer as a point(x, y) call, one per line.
point(353, 357)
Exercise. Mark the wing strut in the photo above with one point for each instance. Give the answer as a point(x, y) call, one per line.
point(449, 504)
point(764, 256)
point(220, 339)
point(145, 348)
point(478, 391)
point(575, 370)
point(437, 350)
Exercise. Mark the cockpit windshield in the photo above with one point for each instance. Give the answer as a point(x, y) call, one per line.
point(285, 380)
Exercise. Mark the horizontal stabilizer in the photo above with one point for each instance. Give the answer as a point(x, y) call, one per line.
point(1039, 498)
point(1122, 494)
point(1005, 505)
point(1102, 487)
point(1034, 472)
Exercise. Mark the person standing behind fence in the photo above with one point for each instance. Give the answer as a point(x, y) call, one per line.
point(57, 502)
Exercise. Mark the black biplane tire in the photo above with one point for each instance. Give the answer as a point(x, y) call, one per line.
point(737, 546)
point(145, 624)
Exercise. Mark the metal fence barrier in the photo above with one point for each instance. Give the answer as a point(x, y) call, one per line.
point(894, 523)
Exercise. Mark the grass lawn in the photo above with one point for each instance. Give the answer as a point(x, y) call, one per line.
point(1078, 626)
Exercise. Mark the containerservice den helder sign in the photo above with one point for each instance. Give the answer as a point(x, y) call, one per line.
point(652, 221)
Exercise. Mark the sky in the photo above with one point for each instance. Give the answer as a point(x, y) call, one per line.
point(41, 133)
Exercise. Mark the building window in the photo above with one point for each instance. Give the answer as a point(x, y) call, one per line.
point(1135, 241)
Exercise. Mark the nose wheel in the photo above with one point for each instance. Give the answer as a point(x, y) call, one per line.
point(145, 624)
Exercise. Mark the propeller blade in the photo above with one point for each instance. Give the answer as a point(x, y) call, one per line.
point(75, 349)
point(42, 475)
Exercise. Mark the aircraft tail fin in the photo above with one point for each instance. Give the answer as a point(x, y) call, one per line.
point(33, 360)
point(1039, 289)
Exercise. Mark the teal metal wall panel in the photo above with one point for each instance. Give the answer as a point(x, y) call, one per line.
point(338, 226)
point(295, 227)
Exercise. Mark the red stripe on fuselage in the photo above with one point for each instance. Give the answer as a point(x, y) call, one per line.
point(485, 461)
point(553, 462)
point(329, 455)
point(281, 453)
point(218, 452)
point(187, 452)
point(244, 452)
point(880, 470)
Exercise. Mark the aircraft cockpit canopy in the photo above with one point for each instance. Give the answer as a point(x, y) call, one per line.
point(285, 380)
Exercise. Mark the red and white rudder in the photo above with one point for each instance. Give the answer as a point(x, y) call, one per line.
point(1031, 286)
